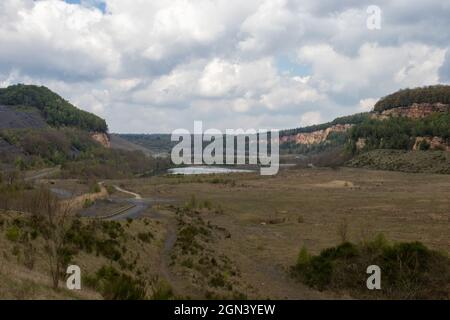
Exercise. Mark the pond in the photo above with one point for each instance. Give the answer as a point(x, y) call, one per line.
point(205, 170)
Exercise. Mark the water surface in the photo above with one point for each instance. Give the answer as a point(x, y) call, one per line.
point(205, 170)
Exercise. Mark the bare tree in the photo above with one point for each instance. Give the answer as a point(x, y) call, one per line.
point(53, 218)
point(342, 230)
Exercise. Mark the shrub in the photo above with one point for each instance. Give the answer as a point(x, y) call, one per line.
point(218, 280)
point(13, 234)
point(94, 188)
point(114, 285)
point(303, 257)
point(145, 236)
point(88, 203)
point(409, 270)
point(162, 291)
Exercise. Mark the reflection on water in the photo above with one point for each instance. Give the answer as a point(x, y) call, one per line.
point(204, 170)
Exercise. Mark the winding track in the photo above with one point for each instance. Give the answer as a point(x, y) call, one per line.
point(140, 205)
point(136, 207)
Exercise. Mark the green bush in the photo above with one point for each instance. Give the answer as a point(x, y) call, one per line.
point(218, 280)
point(13, 234)
point(409, 270)
point(145, 236)
point(88, 203)
point(114, 285)
point(162, 291)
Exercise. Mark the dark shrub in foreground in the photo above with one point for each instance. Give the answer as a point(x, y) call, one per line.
point(408, 270)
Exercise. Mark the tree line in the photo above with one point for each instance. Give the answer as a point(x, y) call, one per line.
point(56, 111)
point(400, 132)
point(406, 97)
point(352, 119)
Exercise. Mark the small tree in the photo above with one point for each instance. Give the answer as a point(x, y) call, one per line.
point(53, 219)
point(342, 231)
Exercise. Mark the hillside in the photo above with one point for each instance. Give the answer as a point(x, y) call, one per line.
point(39, 129)
point(156, 143)
point(408, 97)
point(117, 142)
point(405, 161)
point(407, 120)
point(56, 111)
point(20, 117)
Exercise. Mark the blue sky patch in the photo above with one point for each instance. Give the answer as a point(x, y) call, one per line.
point(98, 4)
point(286, 65)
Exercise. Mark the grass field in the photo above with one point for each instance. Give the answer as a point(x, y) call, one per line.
point(238, 235)
point(270, 219)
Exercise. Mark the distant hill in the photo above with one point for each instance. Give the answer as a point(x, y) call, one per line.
point(56, 111)
point(352, 119)
point(117, 142)
point(39, 129)
point(156, 143)
point(396, 135)
point(407, 97)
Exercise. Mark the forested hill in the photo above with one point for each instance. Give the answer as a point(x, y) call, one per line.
point(56, 111)
point(352, 119)
point(407, 97)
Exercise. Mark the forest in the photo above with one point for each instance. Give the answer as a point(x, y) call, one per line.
point(406, 97)
point(56, 111)
point(400, 132)
point(77, 154)
point(352, 119)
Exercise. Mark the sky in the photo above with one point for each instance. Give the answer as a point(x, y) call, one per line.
point(152, 66)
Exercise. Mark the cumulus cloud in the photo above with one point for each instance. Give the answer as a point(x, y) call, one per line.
point(444, 71)
point(153, 66)
point(367, 104)
point(310, 118)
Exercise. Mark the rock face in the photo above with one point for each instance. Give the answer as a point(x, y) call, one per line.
point(315, 137)
point(415, 111)
point(434, 143)
point(101, 138)
point(361, 143)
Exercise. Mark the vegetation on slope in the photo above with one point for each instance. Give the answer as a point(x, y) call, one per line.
point(157, 143)
point(399, 132)
point(45, 238)
point(409, 270)
point(77, 153)
point(333, 141)
point(404, 161)
point(352, 119)
point(49, 146)
point(56, 111)
point(406, 97)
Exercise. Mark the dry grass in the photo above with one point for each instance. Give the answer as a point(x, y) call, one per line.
point(405, 207)
point(270, 218)
point(19, 282)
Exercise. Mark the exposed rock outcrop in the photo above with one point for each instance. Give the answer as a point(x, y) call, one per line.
point(315, 137)
point(415, 111)
point(361, 143)
point(101, 138)
point(433, 143)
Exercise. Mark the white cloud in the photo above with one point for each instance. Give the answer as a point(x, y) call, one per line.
point(367, 104)
point(374, 69)
point(311, 118)
point(156, 65)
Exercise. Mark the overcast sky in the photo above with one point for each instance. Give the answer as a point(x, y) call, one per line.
point(150, 66)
